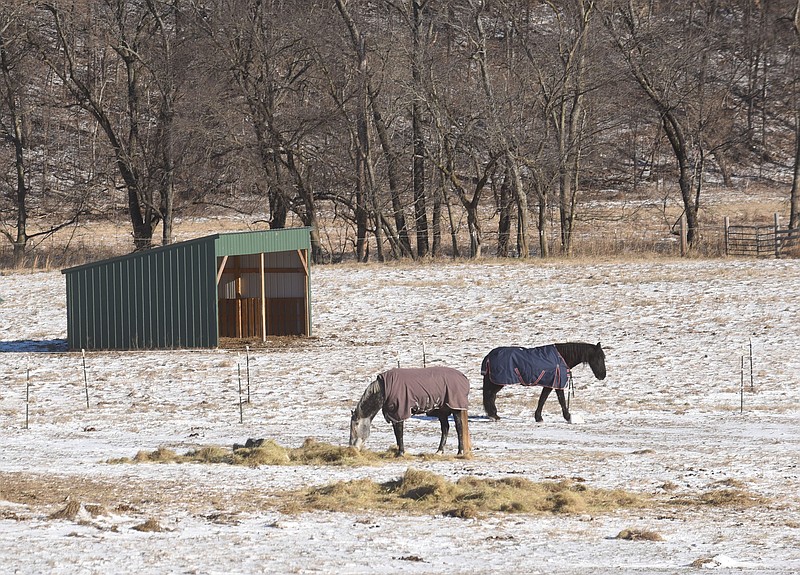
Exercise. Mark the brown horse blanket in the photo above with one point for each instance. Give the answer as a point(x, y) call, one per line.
point(527, 366)
point(421, 390)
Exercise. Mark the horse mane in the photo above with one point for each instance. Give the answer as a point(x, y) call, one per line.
point(371, 401)
point(576, 352)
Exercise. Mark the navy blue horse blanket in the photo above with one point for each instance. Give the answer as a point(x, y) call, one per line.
point(527, 366)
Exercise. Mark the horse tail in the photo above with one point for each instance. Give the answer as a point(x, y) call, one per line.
point(465, 433)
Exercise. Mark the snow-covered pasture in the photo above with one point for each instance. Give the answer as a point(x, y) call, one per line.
point(668, 421)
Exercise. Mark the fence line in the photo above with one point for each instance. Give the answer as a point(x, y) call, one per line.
point(759, 240)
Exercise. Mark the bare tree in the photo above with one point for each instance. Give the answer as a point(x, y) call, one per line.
point(672, 60)
point(362, 148)
point(21, 100)
point(462, 160)
point(91, 45)
point(270, 64)
point(418, 171)
point(794, 200)
point(165, 15)
point(562, 75)
point(503, 135)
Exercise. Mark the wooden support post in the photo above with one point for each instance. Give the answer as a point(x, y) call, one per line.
point(28, 397)
point(741, 389)
point(684, 243)
point(238, 294)
point(303, 255)
point(726, 224)
point(85, 377)
point(777, 222)
point(263, 301)
point(221, 269)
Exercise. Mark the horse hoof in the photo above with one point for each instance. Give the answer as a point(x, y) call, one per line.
point(494, 417)
point(539, 419)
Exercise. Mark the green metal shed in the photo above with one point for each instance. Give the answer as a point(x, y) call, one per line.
point(190, 294)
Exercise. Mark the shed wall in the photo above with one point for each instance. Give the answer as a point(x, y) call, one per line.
point(164, 298)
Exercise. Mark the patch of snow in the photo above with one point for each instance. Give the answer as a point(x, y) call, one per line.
point(676, 417)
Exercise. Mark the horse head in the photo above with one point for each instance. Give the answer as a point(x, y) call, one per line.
point(359, 430)
point(597, 361)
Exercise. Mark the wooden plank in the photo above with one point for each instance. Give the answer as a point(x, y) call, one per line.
point(302, 254)
point(263, 300)
point(306, 304)
point(246, 270)
point(221, 268)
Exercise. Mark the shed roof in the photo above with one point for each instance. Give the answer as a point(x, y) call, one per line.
point(225, 244)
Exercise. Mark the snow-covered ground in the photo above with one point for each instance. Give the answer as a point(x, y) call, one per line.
point(667, 421)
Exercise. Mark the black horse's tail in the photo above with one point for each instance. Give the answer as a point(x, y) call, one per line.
point(489, 394)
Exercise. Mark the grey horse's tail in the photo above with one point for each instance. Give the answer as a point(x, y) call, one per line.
point(465, 433)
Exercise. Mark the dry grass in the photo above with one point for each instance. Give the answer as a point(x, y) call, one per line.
point(416, 492)
point(149, 526)
point(639, 535)
point(69, 512)
point(269, 452)
point(726, 493)
point(632, 224)
point(424, 492)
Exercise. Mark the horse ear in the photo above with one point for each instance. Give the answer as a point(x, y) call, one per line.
point(598, 345)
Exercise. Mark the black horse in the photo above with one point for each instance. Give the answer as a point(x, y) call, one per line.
point(435, 391)
point(547, 366)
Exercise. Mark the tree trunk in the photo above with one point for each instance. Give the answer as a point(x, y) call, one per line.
point(504, 224)
point(505, 139)
point(544, 247)
point(394, 180)
point(677, 140)
point(167, 120)
point(438, 193)
point(21, 241)
point(794, 200)
point(418, 162)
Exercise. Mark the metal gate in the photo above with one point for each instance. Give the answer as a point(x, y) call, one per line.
point(758, 241)
point(761, 241)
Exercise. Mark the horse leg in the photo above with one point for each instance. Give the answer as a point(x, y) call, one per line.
point(489, 394)
point(542, 398)
point(443, 419)
point(398, 435)
point(563, 401)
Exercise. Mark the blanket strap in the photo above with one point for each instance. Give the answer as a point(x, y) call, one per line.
point(570, 386)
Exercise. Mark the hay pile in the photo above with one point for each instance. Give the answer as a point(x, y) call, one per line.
point(264, 452)
point(425, 492)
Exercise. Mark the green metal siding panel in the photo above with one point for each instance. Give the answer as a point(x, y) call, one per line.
point(238, 244)
point(163, 298)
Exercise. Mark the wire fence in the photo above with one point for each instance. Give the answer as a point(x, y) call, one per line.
point(602, 240)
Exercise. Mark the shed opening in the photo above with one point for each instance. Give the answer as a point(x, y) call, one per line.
point(262, 295)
